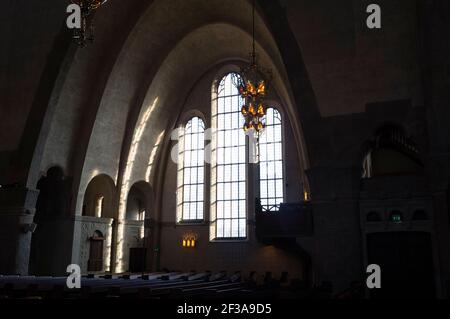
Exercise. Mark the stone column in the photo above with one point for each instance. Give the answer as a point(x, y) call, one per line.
point(337, 250)
point(17, 207)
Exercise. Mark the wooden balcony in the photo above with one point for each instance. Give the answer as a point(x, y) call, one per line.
point(287, 220)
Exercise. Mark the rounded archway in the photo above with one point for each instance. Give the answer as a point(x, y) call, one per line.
point(135, 234)
point(139, 201)
point(99, 198)
point(127, 105)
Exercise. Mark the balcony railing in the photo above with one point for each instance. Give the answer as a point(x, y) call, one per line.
point(286, 220)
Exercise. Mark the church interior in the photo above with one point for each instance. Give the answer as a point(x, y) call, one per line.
point(269, 148)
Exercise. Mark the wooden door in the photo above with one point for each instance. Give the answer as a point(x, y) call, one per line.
point(137, 259)
point(95, 262)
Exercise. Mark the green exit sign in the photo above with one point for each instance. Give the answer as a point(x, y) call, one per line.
point(396, 217)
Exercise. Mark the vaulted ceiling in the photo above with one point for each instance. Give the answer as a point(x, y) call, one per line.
point(82, 109)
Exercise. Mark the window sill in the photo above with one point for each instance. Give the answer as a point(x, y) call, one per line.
point(199, 222)
point(229, 240)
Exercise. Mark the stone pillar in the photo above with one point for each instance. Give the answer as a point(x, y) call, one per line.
point(17, 207)
point(337, 250)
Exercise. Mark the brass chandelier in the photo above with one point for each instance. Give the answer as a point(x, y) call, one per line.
point(253, 89)
point(86, 32)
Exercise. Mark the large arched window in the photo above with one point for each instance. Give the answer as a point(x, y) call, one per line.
point(271, 161)
point(191, 171)
point(228, 179)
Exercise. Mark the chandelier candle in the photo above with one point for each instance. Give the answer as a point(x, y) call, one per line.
point(253, 89)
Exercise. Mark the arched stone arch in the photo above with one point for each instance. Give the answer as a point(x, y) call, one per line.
point(83, 97)
point(188, 115)
point(134, 233)
point(165, 57)
point(140, 197)
point(225, 69)
point(194, 69)
point(140, 75)
point(150, 115)
point(101, 190)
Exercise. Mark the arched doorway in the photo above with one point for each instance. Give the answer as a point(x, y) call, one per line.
point(99, 212)
point(99, 197)
point(95, 262)
point(137, 212)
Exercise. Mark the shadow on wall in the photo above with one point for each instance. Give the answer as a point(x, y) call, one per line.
point(51, 211)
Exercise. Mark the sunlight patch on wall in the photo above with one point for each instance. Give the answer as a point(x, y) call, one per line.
point(94, 173)
point(126, 183)
point(107, 263)
point(141, 232)
point(153, 156)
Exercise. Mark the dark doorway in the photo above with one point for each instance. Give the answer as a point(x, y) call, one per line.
point(137, 259)
point(95, 262)
point(406, 263)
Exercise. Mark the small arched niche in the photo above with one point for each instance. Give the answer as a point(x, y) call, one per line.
point(139, 201)
point(100, 197)
point(98, 235)
point(373, 217)
point(420, 214)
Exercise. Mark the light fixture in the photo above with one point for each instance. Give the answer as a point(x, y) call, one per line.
point(86, 32)
point(190, 243)
point(306, 196)
point(253, 89)
point(189, 240)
